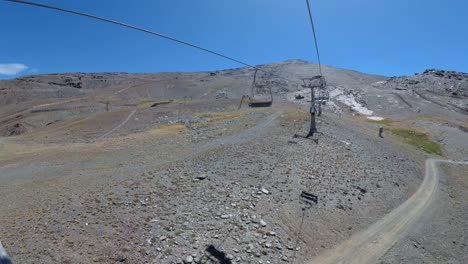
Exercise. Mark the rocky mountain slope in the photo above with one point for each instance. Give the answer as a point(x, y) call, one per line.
point(440, 82)
point(280, 77)
point(35, 101)
point(448, 88)
point(165, 167)
point(232, 83)
point(32, 102)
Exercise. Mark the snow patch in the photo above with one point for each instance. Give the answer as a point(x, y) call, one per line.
point(350, 100)
point(337, 94)
point(375, 118)
point(357, 107)
point(333, 107)
point(380, 83)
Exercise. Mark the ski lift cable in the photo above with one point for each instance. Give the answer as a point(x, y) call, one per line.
point(315, 36)
point(130, 26)
point(146, 31)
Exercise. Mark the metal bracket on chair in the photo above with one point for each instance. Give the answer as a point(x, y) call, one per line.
point(309, 198)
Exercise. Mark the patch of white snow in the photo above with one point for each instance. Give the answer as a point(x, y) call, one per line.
point(375, 118)
point(350, 101)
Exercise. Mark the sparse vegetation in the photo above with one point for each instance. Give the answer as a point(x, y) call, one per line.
point(221, 116)
point(419, 140)
point(296, 115)
point(172, 129)
point(143, 102)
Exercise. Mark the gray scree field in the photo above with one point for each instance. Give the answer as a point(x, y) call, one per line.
point(164, 168)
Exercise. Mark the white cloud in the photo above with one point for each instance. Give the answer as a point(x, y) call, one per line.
point(12, 68)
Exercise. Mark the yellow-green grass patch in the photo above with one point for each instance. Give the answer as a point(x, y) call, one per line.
point(385, 121)
point(147, 101)
point(419, 140)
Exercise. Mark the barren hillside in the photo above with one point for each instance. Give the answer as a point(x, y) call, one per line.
point(165, 168)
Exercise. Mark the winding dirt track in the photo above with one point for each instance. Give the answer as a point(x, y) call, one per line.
point(119, 125)
point(369, 245)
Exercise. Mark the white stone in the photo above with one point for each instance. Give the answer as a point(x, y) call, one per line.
point(201, 176)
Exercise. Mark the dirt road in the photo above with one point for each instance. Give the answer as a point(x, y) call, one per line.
point(371, 244)
point(119, 125)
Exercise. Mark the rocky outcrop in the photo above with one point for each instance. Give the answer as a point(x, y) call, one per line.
point(14, 130)
point(439, 82)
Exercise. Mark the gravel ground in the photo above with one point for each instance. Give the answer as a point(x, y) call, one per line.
point(196, 180)
point(233, 185)
point(439, 236)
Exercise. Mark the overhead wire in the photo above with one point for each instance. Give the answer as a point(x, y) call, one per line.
point(309, 183)
point(132, 27)
point(322, 91)
point(148, 32)
point(315, 36)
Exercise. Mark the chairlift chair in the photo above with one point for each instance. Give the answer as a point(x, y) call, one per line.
point(254, 103)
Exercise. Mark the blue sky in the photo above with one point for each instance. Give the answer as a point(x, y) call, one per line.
point(387, 37)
